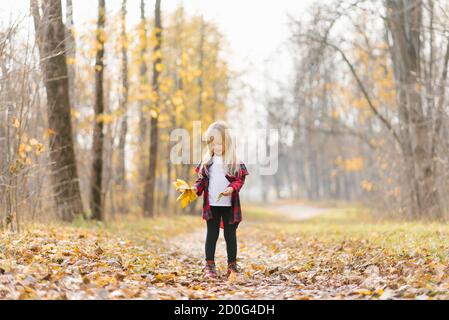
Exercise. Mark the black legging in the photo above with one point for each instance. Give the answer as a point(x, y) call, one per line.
point(213, 231)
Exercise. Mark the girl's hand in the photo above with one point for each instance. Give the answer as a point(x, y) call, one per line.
point(228, 191)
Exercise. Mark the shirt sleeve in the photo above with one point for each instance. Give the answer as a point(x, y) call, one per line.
point(238, 183)
point(199, 182)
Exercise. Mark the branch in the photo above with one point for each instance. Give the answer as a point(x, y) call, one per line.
point(364, 91)
point(34, 6)
point(348, 131)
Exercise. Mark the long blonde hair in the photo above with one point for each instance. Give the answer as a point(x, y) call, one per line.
point(231, 163)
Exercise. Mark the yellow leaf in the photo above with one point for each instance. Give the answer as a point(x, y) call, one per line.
point(187, 196)
point(365, 292)
point(39, 148)
point(50, 132)
point(156, 55)
point(153, 114)
point(22, 147)
point(232, 277)
point(159, 67)
point(177, 101)
point(71, 60)
point(366, 185)
point(75, 114)
point(15, 123)
point(179, 182)
point(154, 96)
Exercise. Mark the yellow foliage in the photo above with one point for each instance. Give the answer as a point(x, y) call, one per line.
point(366, 185)
point(101, 36)
point(350, 164)
point(49, 132)
point(75, 114)
point(15, 123)
point(157, 55)
point(177, 100)
point(188, 194)
point(335, 114)
point(71, 60)
point(22, 150)
point(154, 113)
point(154, 96)
point(159, 67)
point(105, 118)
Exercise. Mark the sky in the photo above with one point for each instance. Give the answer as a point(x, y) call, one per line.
point(255, 29)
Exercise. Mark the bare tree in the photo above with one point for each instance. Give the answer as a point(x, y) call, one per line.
point(96, 194)
point(149, 189)
point(404, 21)
point(50, 39)
point(410, 127)
point(121, 174)
point(143, 81)
point(71, 51)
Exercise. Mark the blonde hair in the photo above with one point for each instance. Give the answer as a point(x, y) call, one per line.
point(220, 129)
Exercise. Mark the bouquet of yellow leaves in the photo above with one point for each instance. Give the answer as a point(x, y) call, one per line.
point(188, 194)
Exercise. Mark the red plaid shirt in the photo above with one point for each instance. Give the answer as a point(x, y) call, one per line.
point(236, 182)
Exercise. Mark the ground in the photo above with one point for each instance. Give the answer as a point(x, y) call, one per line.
point(287, 251)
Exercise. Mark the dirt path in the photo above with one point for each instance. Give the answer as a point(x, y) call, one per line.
point(266, 269)
point(262, 278)
point(299, 211)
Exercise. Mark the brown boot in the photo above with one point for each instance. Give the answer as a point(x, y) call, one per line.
point(233, 268)
point(210, 270)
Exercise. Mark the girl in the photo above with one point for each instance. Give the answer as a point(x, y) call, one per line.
point(220, 176)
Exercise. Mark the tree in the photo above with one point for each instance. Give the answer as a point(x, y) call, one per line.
point(50, 39)
point(143, 82)
point(71, 51)
point(390, 95)
point(121, 176)
point(150, 180)
point(404, 21)
point(96, 195)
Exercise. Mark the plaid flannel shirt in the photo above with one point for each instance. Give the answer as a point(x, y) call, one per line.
point(236, 182)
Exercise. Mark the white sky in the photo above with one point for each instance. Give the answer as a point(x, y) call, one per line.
point(255, 29)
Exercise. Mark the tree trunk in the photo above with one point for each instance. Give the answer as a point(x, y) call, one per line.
point(71, 52)
point(143, 83)
point(404, 23)
point(50, 38)
point(96, 199)
point(201, 67)
point(150, 181)
point(121, 176)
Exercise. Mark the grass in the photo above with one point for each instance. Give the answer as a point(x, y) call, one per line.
point(431, 239)
point(331, 255)
point(137, 229)
point(340, 225)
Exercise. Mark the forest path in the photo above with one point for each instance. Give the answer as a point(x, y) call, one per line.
point(298, 211)
point(267, 269)
point(299, 255)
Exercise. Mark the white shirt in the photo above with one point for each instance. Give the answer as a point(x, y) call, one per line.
point(218, 183)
